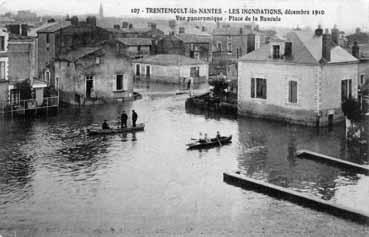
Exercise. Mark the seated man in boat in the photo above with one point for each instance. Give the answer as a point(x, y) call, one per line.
point(218, 135)
point(105, 125)
point(206, 138)
point(201, 139)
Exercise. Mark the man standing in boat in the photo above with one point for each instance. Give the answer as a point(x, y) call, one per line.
point(123, 120)
point(134, 118)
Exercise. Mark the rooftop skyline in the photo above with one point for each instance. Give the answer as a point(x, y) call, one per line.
point(344, 13)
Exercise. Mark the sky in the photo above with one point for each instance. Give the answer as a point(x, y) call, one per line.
point(343, 13)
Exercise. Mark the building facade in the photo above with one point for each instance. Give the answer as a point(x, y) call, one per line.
point(134, 47)
point(171, 68)
point(303, 80)
point(189, 45)
point(94, 75)
point(60, 38)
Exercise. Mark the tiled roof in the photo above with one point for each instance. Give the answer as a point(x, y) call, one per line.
point(170, 59)
point(306, 49)
point(78, 53)
point(135, 41)
point(193, 38)
point(50, 28)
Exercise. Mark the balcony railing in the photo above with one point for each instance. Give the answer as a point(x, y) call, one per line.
point(31, 104)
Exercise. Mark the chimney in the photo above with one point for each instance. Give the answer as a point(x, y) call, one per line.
point(203, 28)
point(335, 34)
point(152, 26)
point(181, 30)
point(74, 20)
point(288, 49)
point(355, 50)
point(319, 31)
point(250, 43)
point(91, 20)
point(130, 26)
point(24, 30)
point(326, 46)
point(124, 24)
point(117, 27)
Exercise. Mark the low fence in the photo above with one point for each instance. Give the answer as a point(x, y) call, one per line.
point(30, 104)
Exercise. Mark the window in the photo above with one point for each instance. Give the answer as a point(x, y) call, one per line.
point(292, 92)
point(2, 71)
point(276, 51)
point(47, 77)
point(97, 60)
point(238, 52)
point(138, 69)
point(195, 72)
point(229, 43)
point(119, 82)
point(2, 43)
point(258, 88)
point(346, 89)
point(219, 46)
point(47, 38)
point(196, 55)
point(362, 79)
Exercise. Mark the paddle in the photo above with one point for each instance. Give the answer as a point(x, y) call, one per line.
point(220, 144)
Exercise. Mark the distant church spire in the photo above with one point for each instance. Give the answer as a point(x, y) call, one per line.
point(101, 11)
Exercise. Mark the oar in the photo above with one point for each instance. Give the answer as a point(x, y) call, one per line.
point(220, 144)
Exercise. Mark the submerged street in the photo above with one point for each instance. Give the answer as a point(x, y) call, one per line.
point(56, 180)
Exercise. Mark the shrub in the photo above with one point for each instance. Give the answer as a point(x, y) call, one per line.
point(351, 109)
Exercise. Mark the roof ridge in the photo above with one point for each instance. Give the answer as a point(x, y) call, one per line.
point(303, 45)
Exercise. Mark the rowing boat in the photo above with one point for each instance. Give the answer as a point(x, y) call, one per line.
point(214, 142)
point(99, 131)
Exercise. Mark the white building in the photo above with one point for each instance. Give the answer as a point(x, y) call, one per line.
point(171, 68)
point(301, 80)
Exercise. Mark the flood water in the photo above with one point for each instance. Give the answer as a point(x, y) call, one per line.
point(55, 181)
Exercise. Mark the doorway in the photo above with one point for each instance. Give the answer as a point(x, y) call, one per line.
point(330, 121)
point(89, 86)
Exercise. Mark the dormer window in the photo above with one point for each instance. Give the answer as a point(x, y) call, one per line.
point(276, 50)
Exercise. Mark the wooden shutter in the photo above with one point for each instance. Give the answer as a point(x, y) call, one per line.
point(252, 87)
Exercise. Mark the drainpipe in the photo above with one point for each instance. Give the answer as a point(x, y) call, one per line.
point(317, 92)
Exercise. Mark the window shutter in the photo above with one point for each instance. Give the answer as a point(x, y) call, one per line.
point(264, 88)
point(252, 87)
point(114, 83)
point(350, 88)
point(125, 81)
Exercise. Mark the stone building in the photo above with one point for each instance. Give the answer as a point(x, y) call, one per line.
point(94, 75)
point(134, 47)
point(171, 68)
point(59, 38)
point(231, 43)
point(189, 45)
point(303, 80)
point(22, 58)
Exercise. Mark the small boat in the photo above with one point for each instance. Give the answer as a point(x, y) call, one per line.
point(214, 142)
point(100, 131)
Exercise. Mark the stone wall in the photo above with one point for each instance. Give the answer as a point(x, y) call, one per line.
point(73, 78)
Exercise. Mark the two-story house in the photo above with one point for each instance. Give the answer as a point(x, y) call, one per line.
point(59, 38)
point(302, 80)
